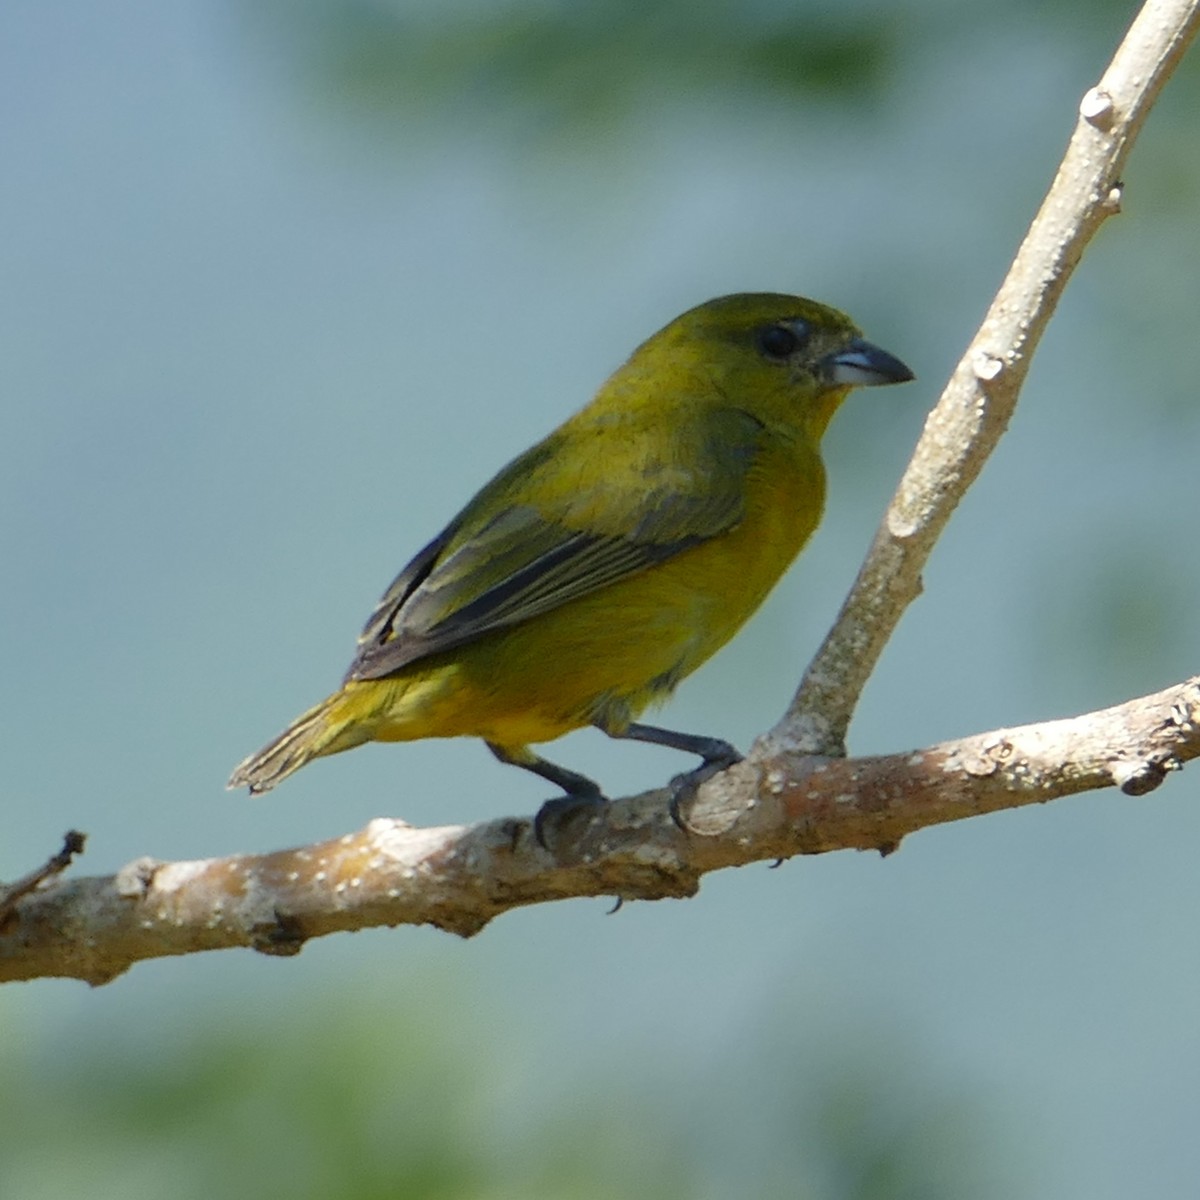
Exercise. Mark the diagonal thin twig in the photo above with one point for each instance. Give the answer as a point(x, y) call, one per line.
point(978, 402)
point(73, 843)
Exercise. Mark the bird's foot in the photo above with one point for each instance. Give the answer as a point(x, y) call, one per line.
point(684, 787)
point(566, 810)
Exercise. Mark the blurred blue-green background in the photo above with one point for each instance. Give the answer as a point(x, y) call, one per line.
point(282, 284)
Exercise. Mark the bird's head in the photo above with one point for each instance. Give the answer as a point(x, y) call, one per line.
point(787, 361)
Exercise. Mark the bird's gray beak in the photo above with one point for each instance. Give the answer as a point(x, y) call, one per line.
point(860, 364)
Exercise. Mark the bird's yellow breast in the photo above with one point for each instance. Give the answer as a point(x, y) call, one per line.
point(605, 656)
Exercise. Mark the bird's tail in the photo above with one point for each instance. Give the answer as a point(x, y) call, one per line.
point(324, 729)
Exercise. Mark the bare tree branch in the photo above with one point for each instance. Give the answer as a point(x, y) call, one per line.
point(979, 400)
point(56, 864)
point(777, 803)
point(458, 878)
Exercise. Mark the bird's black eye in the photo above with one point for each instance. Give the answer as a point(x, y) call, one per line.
point(780, 341)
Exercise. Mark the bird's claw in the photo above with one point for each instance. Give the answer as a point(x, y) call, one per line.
point(564, 809)
point(684, 787)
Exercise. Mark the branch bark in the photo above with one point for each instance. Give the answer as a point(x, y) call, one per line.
point(772, 806)
point(784, 799)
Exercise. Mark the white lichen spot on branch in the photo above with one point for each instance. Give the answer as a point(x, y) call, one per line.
point(133, 880)
point(1097, 109)
point(987, 367)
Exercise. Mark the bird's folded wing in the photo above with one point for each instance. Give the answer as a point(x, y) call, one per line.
point(481, 575)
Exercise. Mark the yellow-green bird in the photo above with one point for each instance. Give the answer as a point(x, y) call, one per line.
point(611, 559)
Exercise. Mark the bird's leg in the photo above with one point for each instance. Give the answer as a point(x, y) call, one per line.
point(716, 753)
point(580, 790)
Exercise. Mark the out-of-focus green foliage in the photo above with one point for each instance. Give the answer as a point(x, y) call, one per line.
point(572, 66)
point(354, 1100)
point(350, 1101)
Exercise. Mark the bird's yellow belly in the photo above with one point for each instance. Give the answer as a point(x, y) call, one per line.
point(600, 659)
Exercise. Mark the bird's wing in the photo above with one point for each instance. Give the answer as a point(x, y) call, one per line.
point(546, 550)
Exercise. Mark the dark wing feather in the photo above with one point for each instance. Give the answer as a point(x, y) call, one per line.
point(475, 578)
point(402, 587)
point(579, 564)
